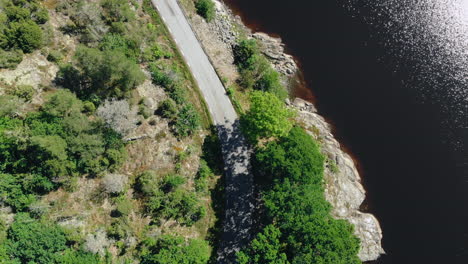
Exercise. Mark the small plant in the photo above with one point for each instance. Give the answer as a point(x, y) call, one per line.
point(168, 109)
point(206, 9)
point(89, 107)
point(25, 92)
point(54, 56)
point(188, 121)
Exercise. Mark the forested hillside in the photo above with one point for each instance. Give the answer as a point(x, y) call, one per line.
point(106, 154)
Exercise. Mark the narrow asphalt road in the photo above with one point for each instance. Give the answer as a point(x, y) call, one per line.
point(237, 224)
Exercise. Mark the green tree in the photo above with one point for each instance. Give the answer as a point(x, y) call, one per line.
point(206, 9)
point(25, 35)
point(267, 117)
point(102, 74)
point(30, 241)
point(70, 256)
point(246, 54)
point(117, 10)
point(175, 250)
point(295, 156)
point(266, 248)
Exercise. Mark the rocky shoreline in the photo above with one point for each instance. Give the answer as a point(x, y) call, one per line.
point(343, 183)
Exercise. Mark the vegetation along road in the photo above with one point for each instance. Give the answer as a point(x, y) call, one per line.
point(236, 153)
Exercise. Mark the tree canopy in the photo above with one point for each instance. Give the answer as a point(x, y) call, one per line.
point(44, 149)
point(299, 227)
point(100, 74)
point(267, 117)
point(175, 250)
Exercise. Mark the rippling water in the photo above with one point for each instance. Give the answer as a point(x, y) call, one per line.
point(391, 75)
point(430, 38)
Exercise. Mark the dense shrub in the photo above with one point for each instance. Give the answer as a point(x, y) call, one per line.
point(299, 227)
point(267, 117)
point(24, 35)
point(25, 92)
point(265, 248)
point(30, 241)
point(187, 121)
point(168, 109)
point(256, 71)
point(10, 59)
point(71, 256)
point(101, 74)
point(117, 10)
point(203, 175)
point(52, 145)
point(160, 77)
point(166, 199)
point(296, 157)
point(20, 30)
point(121, 44)
point(175, 250)
point(54, 56)
point(206, 9)
point(155, 52)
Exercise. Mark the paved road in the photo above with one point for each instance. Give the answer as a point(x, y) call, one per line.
point(236, 153)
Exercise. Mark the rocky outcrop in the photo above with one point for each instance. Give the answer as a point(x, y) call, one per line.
point(273, 49)
point(343, 183)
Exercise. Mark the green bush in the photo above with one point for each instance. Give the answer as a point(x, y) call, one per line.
point(89, 107)
point(54, 56)
point(166, 199)
point(30, 241)
point(168, 109)
point(171, 182)
point(159, 77)
point(124, 206)
point(296, 156)
point(117, 10)
point(203, 175)
point(25, 92)
point(187, 122)
point(256, 71)
point(206, 9)
point(174, 250)
point(70, 256)
point(25, 35)
point(154, 53)
point(59, 141)
point(19, 30)
point(267, 117)
point(121, 44)
point(265, 248)
point(10, 59)
point(147, 183)
point(102, 74)
point(246, 53)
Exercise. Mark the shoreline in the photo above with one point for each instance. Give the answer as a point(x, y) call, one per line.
point(344, 188)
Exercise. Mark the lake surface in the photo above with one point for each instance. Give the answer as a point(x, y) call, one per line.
point(392, 77)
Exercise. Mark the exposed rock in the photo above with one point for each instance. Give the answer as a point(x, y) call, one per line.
point(273, 49)
point(343, 183)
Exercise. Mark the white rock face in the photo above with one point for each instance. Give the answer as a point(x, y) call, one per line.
point(343, 183)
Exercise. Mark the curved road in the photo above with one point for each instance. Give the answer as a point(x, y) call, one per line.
point(236, 152)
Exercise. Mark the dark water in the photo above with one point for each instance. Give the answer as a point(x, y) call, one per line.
point(397, 102)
